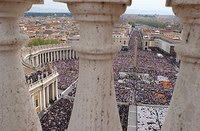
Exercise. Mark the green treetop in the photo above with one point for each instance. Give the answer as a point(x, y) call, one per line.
point(41, 41)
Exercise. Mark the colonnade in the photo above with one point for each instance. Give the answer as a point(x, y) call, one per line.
point(44, 92)
point(42, 57)
point(48, 92)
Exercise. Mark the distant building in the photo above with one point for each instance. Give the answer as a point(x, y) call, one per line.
point(164, 40)
point(48, 32)
point(121, 39)
point(121, 35)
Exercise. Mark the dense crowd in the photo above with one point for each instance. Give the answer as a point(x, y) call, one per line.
point(132, 84)
point(153, 91)
point(130, 87)
point(68, 72)
point(123, 114)
point(58, 115)
point(36, 76)
point(150, 60)
point(72, 93)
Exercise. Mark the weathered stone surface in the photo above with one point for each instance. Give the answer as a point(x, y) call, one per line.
point(95, 107)
point(127, 2)
point(32, 1)
point(16, 109)
point(181, 2)
point(184, 111)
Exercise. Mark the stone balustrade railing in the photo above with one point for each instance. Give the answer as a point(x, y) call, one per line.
point(17, 111)
point(183, 114)
point(45, 80)
point(95, 106)
point(27, 50)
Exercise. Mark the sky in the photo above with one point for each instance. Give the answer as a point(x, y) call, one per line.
point(137, 7)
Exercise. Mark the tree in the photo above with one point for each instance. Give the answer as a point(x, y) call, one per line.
point(41, 41)
point(152, 23)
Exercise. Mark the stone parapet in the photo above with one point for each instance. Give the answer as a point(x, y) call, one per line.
point(43, 81)
point(95, 106)
point(183, 114)
point(17, 112)
point(182, 2)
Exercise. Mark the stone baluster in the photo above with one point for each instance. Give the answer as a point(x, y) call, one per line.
point(184, 111)
point(95, 107)
point(17, 112)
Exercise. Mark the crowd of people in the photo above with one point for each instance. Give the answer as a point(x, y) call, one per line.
point(150, 60)
point(123, 114)
point(152, 91)
point(72, 93)
point(130, 87)
point(58, 115)
point(68, 72)
point(36, 76)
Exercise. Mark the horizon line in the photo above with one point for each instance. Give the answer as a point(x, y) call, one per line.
point(123, 14)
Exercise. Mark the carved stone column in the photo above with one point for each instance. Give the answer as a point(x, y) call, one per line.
point(47, 95)
point(95, 107)
point(17, 112)
point(56, 88)
point(44, 98)
point(184, 111)
point(53, 91)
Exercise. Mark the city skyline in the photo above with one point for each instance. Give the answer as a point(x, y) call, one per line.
point(137, 7)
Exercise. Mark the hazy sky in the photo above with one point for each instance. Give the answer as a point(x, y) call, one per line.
point(138, 6)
